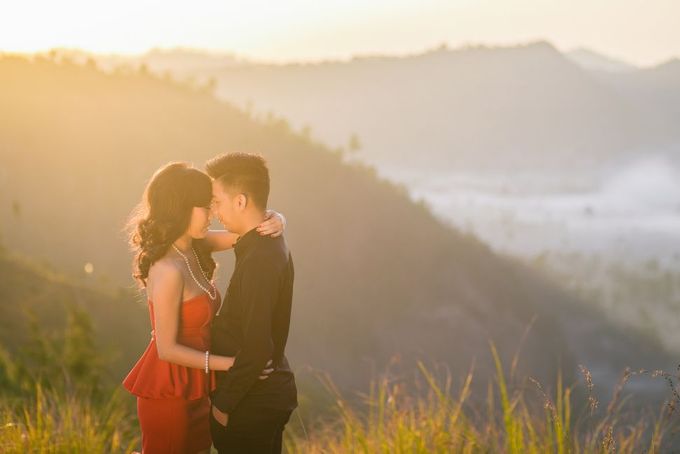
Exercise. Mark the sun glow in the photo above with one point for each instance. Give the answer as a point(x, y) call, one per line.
point(309, 30)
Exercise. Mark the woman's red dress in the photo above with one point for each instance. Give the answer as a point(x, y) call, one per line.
point(173, 401)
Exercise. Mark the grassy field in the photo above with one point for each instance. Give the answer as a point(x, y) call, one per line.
point(72, 411)
point(511, 421)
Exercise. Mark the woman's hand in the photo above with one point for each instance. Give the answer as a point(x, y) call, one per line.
point(221, 363)
point(224, 363)
point(273, 225)
point(266, 371)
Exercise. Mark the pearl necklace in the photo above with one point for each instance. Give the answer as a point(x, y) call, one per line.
point(202, 272)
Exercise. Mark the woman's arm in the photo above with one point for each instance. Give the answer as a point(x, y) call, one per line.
point(166, 297)
point(221, 240)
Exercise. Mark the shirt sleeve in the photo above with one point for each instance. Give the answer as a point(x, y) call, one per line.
point(259, 290)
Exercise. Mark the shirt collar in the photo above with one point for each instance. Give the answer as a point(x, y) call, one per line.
point(245, 242)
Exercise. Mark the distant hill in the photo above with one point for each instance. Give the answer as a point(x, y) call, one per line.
point(593, 61)
point(376, 274)
point(524, 107)
point(656, 94)
point(182, 62)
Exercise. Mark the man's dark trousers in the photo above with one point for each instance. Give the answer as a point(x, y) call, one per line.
point(250, 431)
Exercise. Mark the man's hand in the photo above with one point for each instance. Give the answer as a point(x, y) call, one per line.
point(221, 418)
point(267, 370)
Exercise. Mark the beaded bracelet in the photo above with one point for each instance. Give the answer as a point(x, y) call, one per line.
point(207, 355)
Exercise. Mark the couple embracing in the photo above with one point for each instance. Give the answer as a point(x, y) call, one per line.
point(215, 369)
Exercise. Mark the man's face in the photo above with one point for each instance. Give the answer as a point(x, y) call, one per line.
point(227, 207)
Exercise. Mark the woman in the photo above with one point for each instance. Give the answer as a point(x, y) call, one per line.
point(173, 378)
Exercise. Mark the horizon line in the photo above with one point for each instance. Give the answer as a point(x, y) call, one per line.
point(226, 53)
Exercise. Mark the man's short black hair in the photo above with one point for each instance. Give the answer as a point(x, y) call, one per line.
point(245, 172)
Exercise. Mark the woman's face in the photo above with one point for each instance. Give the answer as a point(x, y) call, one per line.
point(199, 223)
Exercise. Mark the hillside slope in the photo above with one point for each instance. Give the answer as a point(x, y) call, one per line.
point(376, 274)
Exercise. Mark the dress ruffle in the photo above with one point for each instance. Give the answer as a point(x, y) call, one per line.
point(154, 378)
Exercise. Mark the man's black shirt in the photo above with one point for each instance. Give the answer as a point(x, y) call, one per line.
point(252, 324)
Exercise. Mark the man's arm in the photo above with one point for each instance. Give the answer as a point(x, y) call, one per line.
point(259, 290)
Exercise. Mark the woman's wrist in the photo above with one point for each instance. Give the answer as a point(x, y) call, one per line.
point(221, 363)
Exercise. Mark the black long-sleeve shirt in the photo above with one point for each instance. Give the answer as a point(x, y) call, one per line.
point(252, 324)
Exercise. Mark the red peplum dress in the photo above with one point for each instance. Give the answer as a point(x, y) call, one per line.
point(173, 401)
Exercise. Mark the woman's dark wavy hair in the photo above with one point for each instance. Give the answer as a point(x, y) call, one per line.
point(164, 215)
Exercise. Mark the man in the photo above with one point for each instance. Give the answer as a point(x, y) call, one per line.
point(248, 415)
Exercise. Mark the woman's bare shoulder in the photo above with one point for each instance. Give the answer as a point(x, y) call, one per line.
point(166, 271)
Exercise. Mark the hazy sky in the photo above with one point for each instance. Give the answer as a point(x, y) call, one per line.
point(641, 32)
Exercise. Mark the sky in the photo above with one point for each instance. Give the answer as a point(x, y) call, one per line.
point(643, 33)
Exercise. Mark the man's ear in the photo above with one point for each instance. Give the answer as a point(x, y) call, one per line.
point(242, 201)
